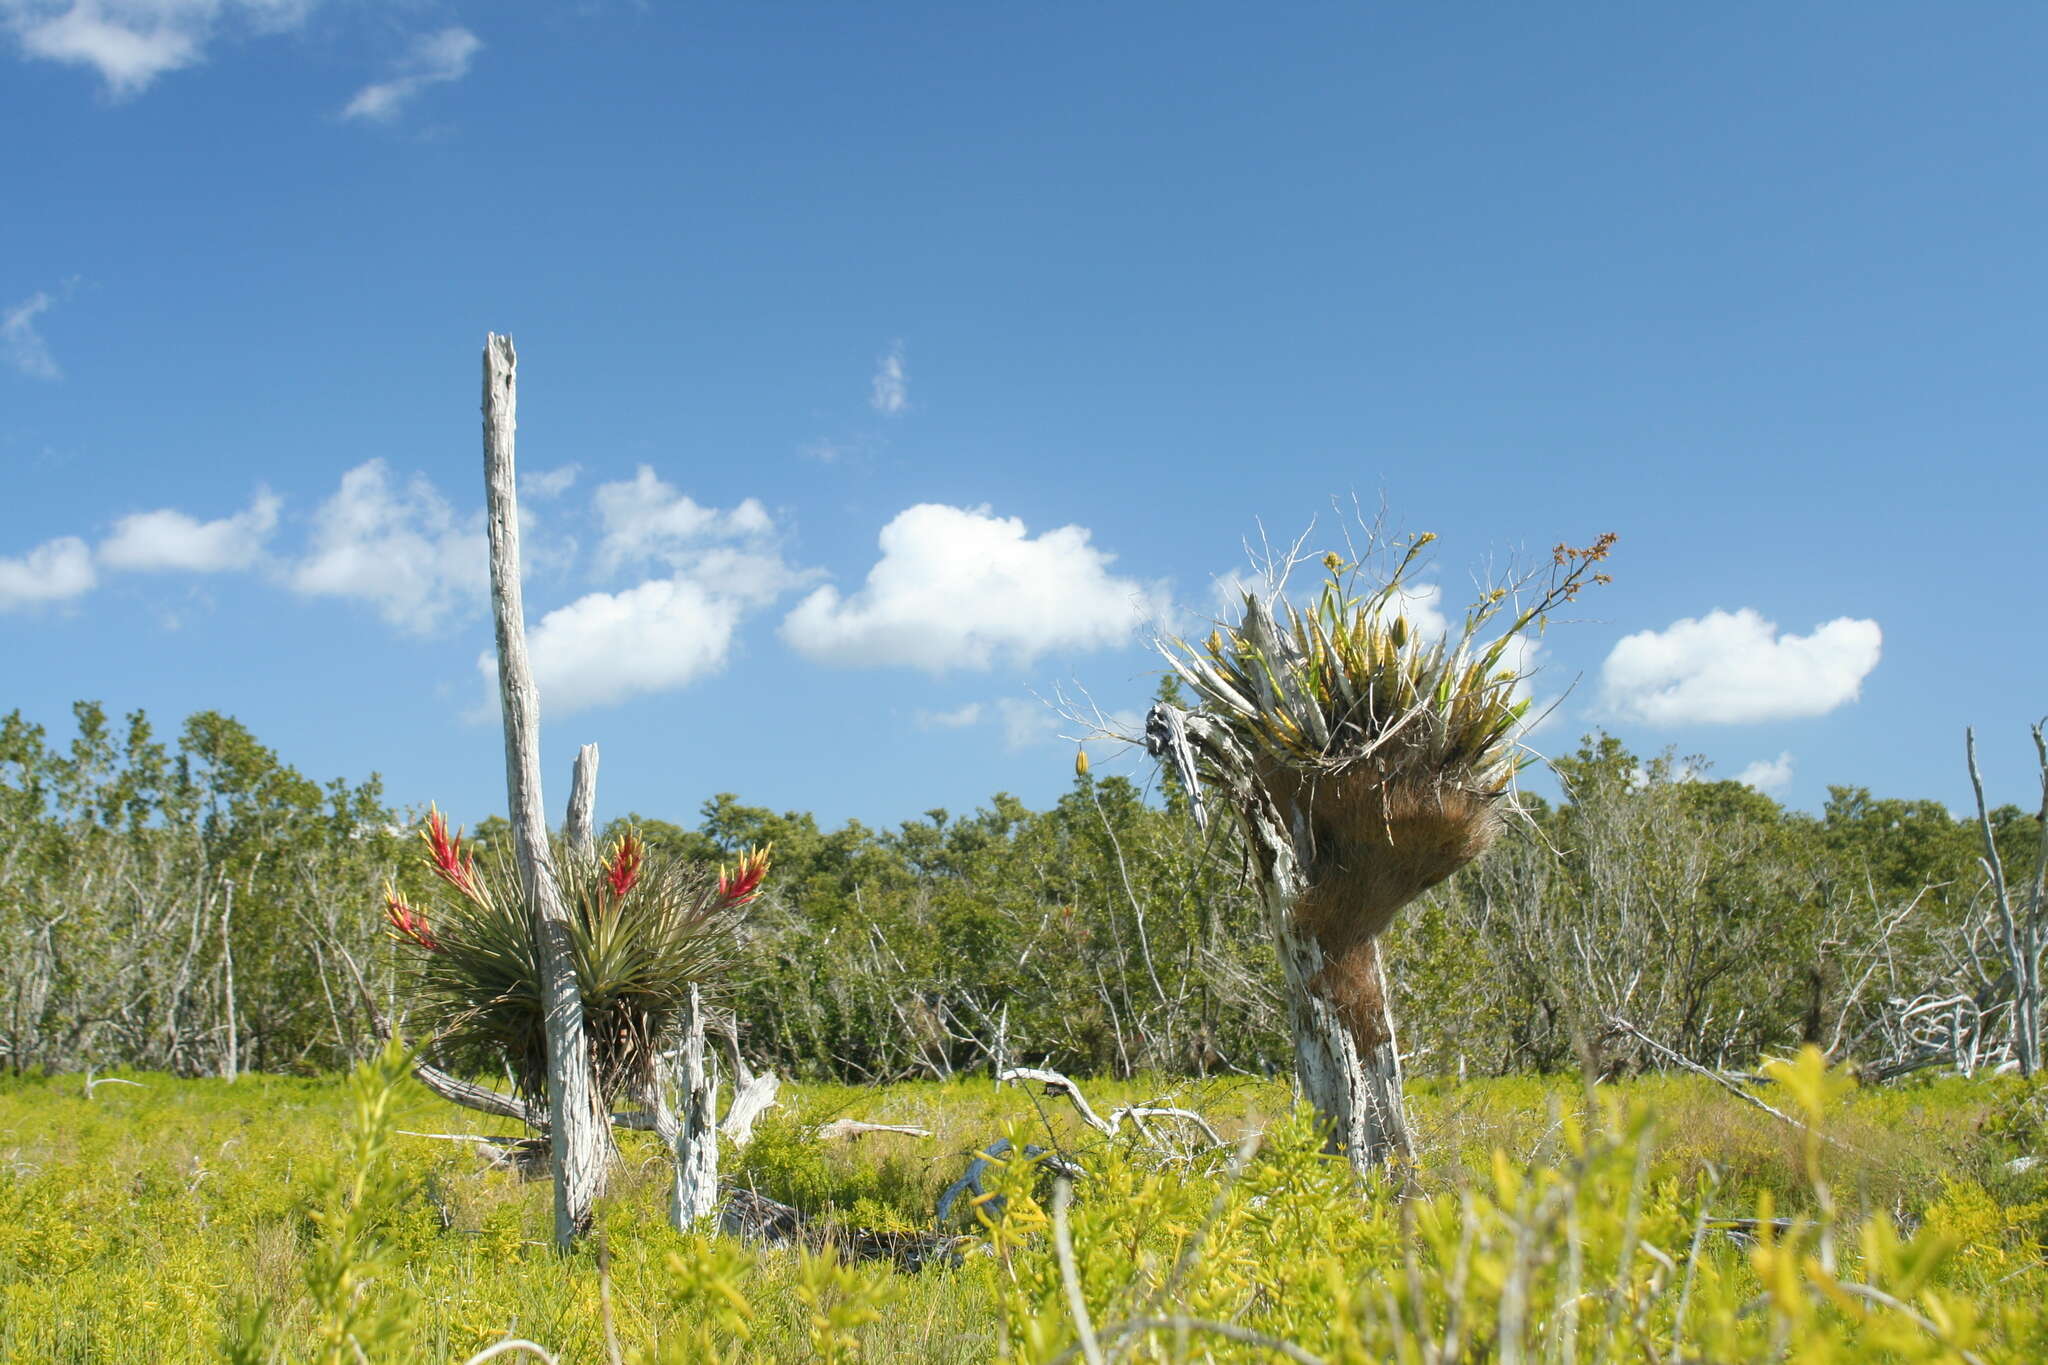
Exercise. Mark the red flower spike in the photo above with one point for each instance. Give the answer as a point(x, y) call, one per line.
point(739, 885)
point(622, 869)
point(408, 923)
point(450, 861)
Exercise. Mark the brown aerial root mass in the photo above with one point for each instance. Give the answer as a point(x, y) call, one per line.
point(1376, 845)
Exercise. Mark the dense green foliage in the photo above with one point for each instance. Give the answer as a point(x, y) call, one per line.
point(283, 1218)
point(139, 880)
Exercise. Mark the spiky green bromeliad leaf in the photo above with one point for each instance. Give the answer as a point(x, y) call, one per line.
point(1349, 681)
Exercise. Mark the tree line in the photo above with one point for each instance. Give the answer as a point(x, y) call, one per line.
point(191, 905)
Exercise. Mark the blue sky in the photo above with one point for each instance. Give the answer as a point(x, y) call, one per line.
point(885, 367)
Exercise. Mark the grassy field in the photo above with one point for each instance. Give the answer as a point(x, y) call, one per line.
point(1658, 1220)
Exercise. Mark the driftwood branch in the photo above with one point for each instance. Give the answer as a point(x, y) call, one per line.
point(854, 1129)
point(1056, 1084)
point(92, 1085)
point(753, 1098)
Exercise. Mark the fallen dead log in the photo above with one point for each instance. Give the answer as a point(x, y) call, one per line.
point(854, 1129)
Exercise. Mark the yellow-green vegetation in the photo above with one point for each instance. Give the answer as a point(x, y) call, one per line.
point(289, 1219)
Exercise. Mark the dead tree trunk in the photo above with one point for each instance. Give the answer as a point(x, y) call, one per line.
point(694, 1196)
point(1346, 1064)
point(579, 829)
point(580, 1141)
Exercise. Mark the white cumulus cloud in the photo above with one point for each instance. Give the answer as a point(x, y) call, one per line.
point(1735, 668)
point(647, 520)
point(962, 588)
point(1768, 775)
point(433, 59)
point(665, 632)
point(132, 42)
point(51, 572)
point(606, 647)
point(170, 539)
point(402, 550)
point(24, 345)
point(890, 393)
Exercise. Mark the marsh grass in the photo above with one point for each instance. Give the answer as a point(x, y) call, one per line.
point(1542, 1222)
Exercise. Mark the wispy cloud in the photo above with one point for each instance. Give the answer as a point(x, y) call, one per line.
point(891, 391)
point(551, 483)
point(433, 59)
point(1733, 668)
point(959, 718)
point(1027, 724)
point(132, 42)
point(23, 345)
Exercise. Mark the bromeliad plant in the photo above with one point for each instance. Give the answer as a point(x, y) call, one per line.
point(1366, 762)
point(644, 932)
point(1350, 685)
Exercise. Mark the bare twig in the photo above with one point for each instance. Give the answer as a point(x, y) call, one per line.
point(1718, 1079)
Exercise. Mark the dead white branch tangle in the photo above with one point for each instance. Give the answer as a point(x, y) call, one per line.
point(1057, 1084)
